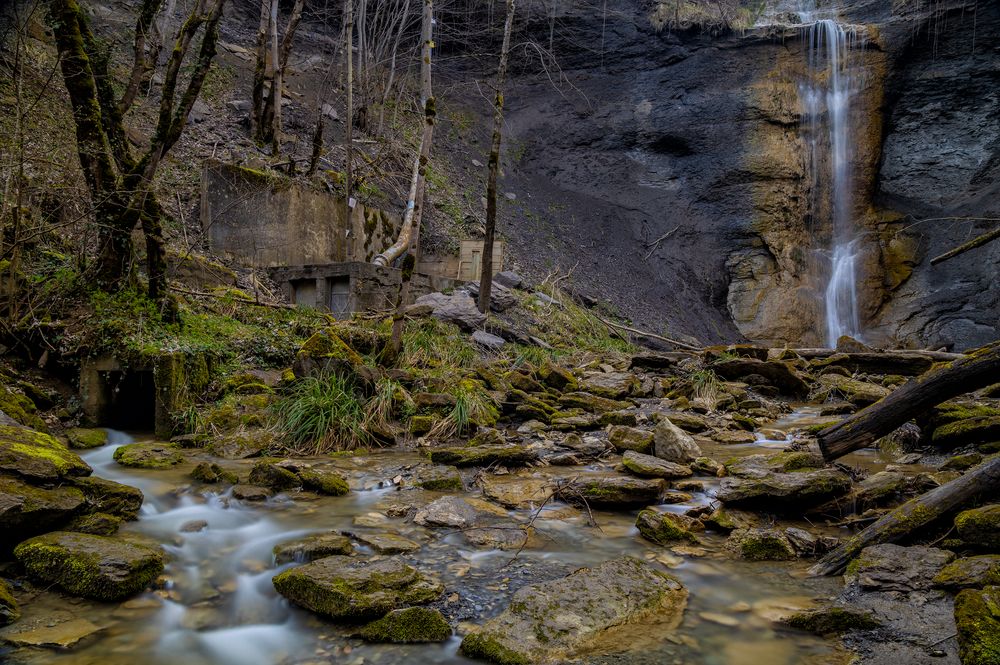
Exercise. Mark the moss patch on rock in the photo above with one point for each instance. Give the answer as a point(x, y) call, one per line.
point(832, 621)
point(324, 482)
point(85, 438)
point(756, 544)
point(980, 526)
point(37, 456)
point(9, 612)
point(148, 455)
point(977, 618)
point(408, 626)
point(666, 528)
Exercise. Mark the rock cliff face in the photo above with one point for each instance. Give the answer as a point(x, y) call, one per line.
point(669, 171)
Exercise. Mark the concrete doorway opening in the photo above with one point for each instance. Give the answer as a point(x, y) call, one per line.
point(129, 400)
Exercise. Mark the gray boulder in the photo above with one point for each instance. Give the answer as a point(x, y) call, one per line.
point(673, 444)
point(648, 466)
point(458, 308)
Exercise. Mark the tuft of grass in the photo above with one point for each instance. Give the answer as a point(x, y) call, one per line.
point(390, 403)
point(430, 343)
point(706, 385)
point(474, 405)
point(322, 414)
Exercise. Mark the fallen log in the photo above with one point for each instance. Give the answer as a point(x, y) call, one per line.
point(936, 356)
point(915, 514)
point(976, 370)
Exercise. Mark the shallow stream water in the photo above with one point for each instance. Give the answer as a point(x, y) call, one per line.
point(217, 605)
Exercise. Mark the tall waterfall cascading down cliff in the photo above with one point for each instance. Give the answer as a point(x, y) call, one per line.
point(827, 99)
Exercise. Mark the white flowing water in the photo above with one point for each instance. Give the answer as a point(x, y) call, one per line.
point(827, 96)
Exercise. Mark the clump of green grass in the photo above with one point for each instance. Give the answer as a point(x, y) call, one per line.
point(706, 385)
point(390, 402)
point(474, 405)
point(323, 413)
point(430, 343)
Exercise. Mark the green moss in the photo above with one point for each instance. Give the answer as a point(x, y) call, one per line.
point(213, 473)
point(324, 482)
point(962, 462)
point(977, 618)
point(760, 545)
point(970, 572)
point(36, 455)
point(980, 526)
point(970, 430)
point(813, 430)
point(107, 496)
point(268, 474)
point(422, 424)
point(407, 626)
point(20, 408)
point(81, 437)
point(98, 524)
point(661, 528)
point(832, 621)
point(488, 648)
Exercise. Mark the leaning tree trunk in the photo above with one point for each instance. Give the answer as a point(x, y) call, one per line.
point(486, 276)
point(349, 112)
point(984, 480)
point(975, 370)
point(259, 74)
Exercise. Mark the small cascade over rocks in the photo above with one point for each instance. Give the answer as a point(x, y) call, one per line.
point(827, 95)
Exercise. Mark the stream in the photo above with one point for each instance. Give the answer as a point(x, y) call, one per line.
point(216, 604)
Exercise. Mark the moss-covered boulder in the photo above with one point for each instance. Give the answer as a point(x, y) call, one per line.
point(458, 512)
point(9, 612)
point(859, 393)
point(630, 438)
point(211, 473)
point(557, 377)
point(108, 496)
point(613, 385)
point(977, 618)
point(21, 409)
point(148, 455)
point(780, 374)
point(971, 430)
point(758, 544)
point(551, 622)
point(267, 473)
point(970, 573)
point(665, 528)
point(611, 491)
point(647, 466)
point(832, 620)
point(242, 444)
point(345, 589)
point(37, 456)
point(408, 626)
point(85, 438)
point(98, 524)
point(783, 482)
point(726, 520)
point(508, 454)
point(311, 548)
point(324, 482)
point(91, 566)
point(324, 353)
point(980, 526)
point(26, 510)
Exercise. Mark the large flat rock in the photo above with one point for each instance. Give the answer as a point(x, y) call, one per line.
point(551, 621)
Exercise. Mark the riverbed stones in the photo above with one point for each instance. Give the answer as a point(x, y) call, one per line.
point(515, 491)
point(664, 528)
point(37, 457)
point(760, 544)
point(438, 478)
point(889, 567)
point(647, 466)
point(150, 455)
point(411, 625)
point(780, 374)
point(610, 491)
point(859, 393)
point(345, 589)
point(625, 438)
point(310, 548)
point(550, 622)
point(673, 444)
point(91, 566)
point(387, 543)
point(972, 572)
point(253, 493)
point(969, 430)
point(980, 526)
point(780, 482)
point(977, 618)
point(832, 620)
point(267, 473)
point(557, 377)
point(591, 403)
point(242, 444)
point(457, 512)
point(613, 385)
point(210, 473)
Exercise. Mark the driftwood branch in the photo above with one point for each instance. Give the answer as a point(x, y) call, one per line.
point(634, 331)
point(972, 244)
point(915, 514)
point(972, 372)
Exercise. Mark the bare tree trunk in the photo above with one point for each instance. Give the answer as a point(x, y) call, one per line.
point(415, 205)
point(976, 370)
point(486, 277)
point(979, 241)
point(317, 146)
point(348, 123)
point(276, 83)
point(259, 73)
point(915, 514)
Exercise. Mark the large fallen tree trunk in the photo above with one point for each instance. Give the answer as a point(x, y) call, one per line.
point(915, 514)
point(972, 372)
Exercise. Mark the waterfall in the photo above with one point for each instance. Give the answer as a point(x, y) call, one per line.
point(827, 97)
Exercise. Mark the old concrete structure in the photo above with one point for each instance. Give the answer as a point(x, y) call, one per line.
point(304, 239)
